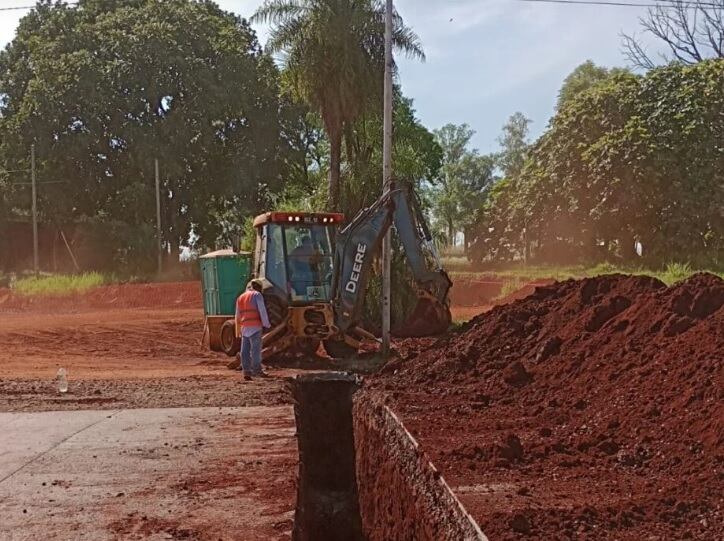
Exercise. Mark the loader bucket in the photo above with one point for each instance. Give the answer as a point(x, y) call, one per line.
point(430, 317)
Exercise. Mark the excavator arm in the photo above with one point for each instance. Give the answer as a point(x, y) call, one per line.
point(356, 247)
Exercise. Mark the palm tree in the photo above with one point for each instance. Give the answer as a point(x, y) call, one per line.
point(333, 55)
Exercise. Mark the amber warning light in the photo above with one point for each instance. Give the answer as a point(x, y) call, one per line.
point(306, 218)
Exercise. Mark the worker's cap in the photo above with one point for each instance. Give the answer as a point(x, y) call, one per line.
point(255, 284)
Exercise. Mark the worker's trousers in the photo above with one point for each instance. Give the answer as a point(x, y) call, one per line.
point(251, 353)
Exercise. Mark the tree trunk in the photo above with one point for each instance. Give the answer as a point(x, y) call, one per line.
point(335, 151)
point(451, 233)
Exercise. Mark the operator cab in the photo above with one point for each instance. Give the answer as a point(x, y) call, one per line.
point(294, 253)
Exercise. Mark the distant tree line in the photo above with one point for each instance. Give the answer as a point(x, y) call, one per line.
point(626, 159)
point(102, 89)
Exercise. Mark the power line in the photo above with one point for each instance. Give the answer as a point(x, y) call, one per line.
point(657, 4)
point(17, 8)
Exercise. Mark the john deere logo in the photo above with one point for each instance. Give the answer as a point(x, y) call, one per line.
point(359, 258)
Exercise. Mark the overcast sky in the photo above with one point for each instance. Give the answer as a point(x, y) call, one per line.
point(486, 59)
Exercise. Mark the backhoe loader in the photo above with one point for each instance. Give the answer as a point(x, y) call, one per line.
point(315, 276)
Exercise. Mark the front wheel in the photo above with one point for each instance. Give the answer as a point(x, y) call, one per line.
point(307, 346)
point(230, 344)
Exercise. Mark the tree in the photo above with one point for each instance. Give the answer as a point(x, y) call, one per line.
point(632, 158)
point(692, 31)
point(103, 89)
point(464, 178)
point(416, 161)
point(584, 77)
point(416, 155)
point(514, 143)
point(333, 52)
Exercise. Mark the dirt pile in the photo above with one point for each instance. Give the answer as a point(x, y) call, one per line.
point(591, 408)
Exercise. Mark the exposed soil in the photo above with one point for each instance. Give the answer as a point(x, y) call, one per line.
point(139, 346)
point(124, 346)
point(163, 295)
point(472, 293)
point(188, 391)
point(125, 358)
point(590, 409)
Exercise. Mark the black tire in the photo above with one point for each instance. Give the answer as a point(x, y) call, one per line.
point(338, 349)
point(275, 309)
point(307, 346)
point(230, 344)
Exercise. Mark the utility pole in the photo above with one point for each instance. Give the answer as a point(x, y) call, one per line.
point(158, 217)
point(387, 181)
point(36, 260)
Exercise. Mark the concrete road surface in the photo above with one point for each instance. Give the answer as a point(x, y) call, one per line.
point(186, 473)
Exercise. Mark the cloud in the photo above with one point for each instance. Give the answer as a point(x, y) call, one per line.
point(504, 56)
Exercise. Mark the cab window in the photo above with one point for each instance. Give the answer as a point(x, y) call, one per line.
point(309, 262)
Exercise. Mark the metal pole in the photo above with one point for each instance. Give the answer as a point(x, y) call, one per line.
point(387, 181)
point(158, 216)
point(36, 260)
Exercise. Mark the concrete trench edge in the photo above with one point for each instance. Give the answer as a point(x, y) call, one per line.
point(402, 495)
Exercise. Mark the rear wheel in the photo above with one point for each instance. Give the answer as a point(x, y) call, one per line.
point(339, 349)
point(230, 344)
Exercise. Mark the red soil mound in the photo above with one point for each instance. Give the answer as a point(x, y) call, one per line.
point(590, 409)
point(155, 295)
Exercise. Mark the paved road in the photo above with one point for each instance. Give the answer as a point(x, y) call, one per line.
point(184, 473)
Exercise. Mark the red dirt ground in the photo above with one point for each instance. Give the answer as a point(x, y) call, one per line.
point(592, 409)
point(166, 295)
point(469, 298)
point(138, 346)
point(130, 345)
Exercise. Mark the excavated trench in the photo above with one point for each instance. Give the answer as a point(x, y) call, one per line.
point(327, 500)
point(362, 476)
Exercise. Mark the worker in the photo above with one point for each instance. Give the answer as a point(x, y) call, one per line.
point(251, 317)
point(305, 260)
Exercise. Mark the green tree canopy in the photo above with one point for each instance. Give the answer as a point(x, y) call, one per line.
point(333, 53)
point(633, 158)
point(584, 77)
point(514, 144)
point(465, 176)
point(104, 88)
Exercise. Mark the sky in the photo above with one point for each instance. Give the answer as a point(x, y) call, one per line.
point(486, 59)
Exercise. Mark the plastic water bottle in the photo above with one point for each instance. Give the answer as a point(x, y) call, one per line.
point(62, 381)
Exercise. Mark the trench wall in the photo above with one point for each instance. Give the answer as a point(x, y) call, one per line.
point(401, 493)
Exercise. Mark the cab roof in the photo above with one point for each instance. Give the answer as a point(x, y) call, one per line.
point(301, 218)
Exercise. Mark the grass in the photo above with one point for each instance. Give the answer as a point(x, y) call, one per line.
point(59, 284)
point(509, 287)
point(672, 273)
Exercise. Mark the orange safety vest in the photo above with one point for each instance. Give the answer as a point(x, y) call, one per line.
point(248, 313)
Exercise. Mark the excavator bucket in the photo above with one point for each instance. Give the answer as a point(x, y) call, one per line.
point(429, 317)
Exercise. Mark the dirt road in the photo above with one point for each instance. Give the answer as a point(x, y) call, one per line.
point(150, 456)
point(132, 345)
point(128, 358)
point(199, 474)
